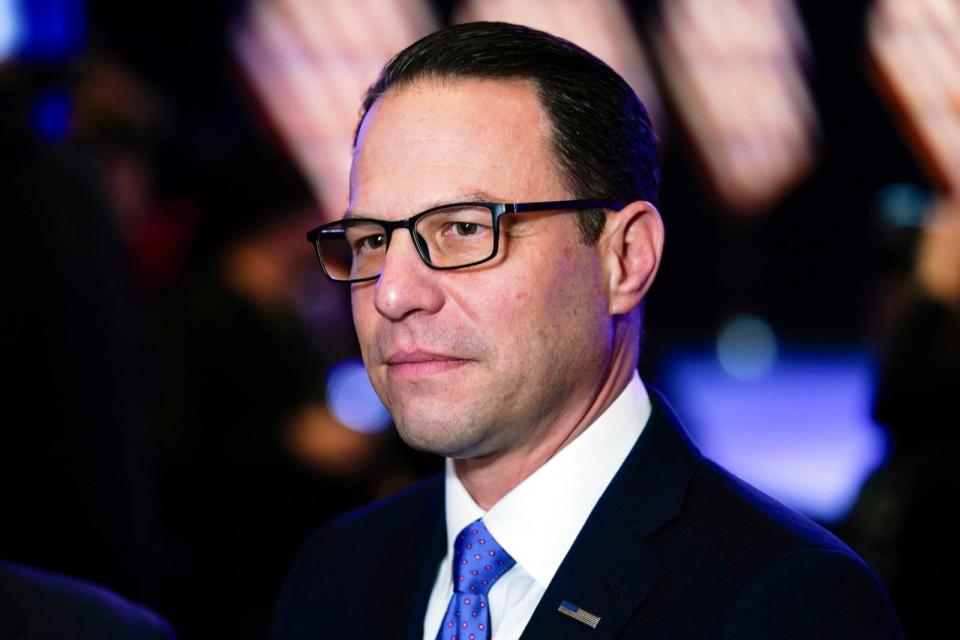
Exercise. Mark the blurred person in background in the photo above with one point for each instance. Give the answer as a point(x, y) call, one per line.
point(251, 455)
point(74, 472)
point(898, 521)
point(38, 605)
point(147, 292)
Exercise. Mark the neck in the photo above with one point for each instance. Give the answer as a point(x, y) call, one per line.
point(488, 478)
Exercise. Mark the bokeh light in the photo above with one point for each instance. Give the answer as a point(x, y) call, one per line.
point(352, 400)
point(747, 347)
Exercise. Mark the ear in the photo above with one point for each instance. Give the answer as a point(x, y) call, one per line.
point(630, 247)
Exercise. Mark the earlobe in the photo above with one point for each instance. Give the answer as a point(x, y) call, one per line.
point(633, 246)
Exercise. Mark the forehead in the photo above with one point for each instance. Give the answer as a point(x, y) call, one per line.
point(433, 141)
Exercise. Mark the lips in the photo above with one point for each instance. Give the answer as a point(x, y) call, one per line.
point(411, 365)
point(412, 357)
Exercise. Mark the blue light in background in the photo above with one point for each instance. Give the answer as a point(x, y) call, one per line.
point(352, 400)
point(802, 432)
point(10, 28)
point(50, 116)
point(903, 205)
point(45, 30)
point(747, 347)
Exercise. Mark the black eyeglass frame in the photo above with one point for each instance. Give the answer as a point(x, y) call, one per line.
point(334, 230)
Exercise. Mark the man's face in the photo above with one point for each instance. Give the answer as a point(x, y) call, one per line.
point(477, 361)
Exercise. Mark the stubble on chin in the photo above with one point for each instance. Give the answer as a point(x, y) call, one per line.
point(444, 432)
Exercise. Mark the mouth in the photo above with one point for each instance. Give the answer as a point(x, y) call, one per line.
point(413, 365)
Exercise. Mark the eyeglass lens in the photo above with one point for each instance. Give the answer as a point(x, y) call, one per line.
point(449, 237)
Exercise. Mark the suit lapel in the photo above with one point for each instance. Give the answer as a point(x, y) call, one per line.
point(610, 569)
point(607, 573)
point(431, 544)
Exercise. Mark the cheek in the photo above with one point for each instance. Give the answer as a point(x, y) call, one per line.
point(538, 317)
point(572, 306)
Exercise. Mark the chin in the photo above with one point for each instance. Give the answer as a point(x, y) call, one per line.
point(439, 433)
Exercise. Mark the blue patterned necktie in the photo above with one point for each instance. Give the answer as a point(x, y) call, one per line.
point(478, 562)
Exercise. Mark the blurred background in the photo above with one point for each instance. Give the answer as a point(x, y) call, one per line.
point(183, 399)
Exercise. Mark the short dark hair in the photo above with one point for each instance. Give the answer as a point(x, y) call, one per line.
point(601, 134)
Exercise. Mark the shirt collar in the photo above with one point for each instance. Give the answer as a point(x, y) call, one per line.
point(538, 521)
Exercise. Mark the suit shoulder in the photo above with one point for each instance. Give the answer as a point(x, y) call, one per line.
point(747, 566)
point(727, 530)
point(55, 606)
point(350, 553)
point(347, 539)
point(810, 593)
point(743, 515)
point(390, 513)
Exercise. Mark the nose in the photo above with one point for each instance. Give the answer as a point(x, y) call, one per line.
point(406, 285)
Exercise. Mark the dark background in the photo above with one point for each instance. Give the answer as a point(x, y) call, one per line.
point(149, 403)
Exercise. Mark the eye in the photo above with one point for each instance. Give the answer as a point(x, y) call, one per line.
point(465, 228)
point(460, 224)
point(371, 242)
point(453, 229)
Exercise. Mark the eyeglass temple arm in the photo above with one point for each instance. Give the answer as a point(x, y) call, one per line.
point(521, 207)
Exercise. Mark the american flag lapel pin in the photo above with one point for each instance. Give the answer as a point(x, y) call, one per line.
point(579, 614)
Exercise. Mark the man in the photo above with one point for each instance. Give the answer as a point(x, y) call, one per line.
point(500, 239)
point(36, 605)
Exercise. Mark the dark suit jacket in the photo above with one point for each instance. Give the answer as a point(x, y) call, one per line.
point(36, 605)
point(676, 547)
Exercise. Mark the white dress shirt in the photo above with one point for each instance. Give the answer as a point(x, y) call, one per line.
point(538, 521)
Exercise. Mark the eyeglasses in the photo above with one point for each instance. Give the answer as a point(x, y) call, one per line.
point(450, 236)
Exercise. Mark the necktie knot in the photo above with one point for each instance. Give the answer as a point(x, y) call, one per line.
point(478, 560)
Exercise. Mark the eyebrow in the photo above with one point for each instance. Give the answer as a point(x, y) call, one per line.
point(464, 196)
